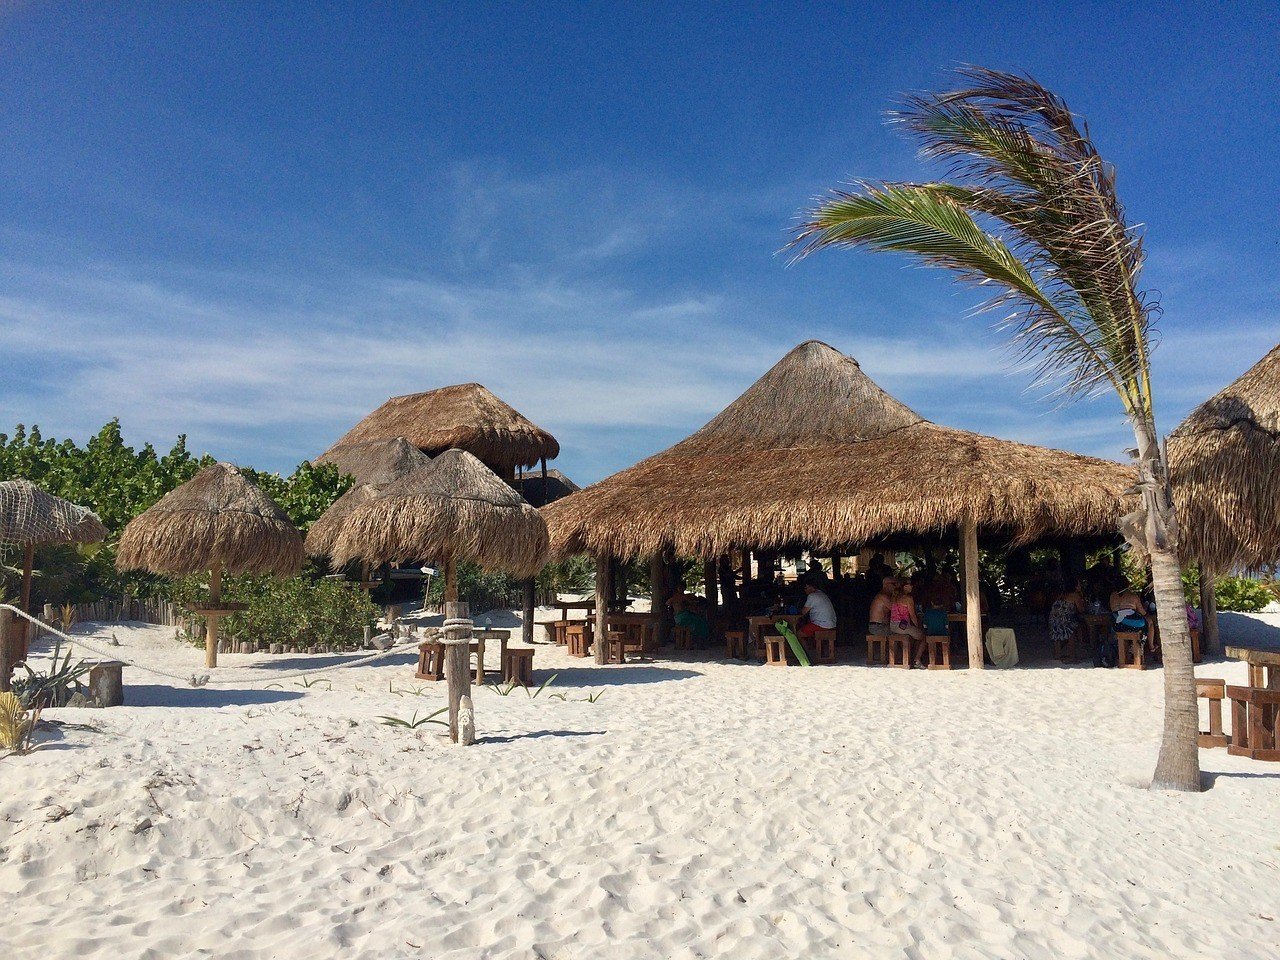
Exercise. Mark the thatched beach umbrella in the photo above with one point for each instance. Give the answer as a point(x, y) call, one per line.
point(30, 518)
point(220, 522)
point(454, 509)
point(1224, 460)
point(466, 417)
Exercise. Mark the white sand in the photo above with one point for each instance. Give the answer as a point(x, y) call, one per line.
point(695, 810)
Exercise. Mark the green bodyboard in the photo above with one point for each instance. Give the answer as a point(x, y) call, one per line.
point(793, 642)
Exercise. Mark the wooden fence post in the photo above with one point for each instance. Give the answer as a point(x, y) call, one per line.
point(457, 673)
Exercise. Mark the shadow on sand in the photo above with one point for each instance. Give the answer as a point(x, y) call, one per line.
point(618, 675)
point(157, 695)
point(541, 734)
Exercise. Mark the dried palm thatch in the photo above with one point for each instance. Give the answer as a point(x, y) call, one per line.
point(1225, 460)
point(815, 454)
point(30, 516)
point(454, 509)
point(323, 532)
point(217, 520)
point(375, 462)
point(467, 417)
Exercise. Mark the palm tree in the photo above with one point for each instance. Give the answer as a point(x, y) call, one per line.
point(1030, 210)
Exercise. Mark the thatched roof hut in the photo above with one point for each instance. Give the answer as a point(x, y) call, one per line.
point(466, 417)
point(217, 520)
point(540, 490)
point(32, 517)
point(1225, 460)
point(815, 454)
point(375, 462)
point(453, 509)
point(324, 530)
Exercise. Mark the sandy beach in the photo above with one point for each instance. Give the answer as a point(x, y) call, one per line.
point(695, 809)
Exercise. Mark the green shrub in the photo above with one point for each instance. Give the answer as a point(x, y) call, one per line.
point(1238, 594)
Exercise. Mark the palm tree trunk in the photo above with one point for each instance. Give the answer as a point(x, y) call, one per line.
point(1178, 766)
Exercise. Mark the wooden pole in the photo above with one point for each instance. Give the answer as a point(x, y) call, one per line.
point(709, 582)
point(8, 621)
point(1210, 641)
point(211, 628)
point(457, 671)
point(658, 596)
point(526, 616)
point(972, 596)
point(604, 572)
point(450, 581)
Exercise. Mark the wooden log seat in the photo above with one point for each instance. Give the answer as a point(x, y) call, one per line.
point(1253, 723)
point(877, 650)
point(1131, 650)
point(517, 665)
point(1213, 692)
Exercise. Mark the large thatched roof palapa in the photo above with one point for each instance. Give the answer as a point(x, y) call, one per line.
point(375, 462)
point(218, 518)
point(467, 417)
point(455, 508)
point(816, 454)
point(29, 515)
point(1225, 463)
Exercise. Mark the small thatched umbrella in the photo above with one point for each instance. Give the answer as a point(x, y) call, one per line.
point(1224, 460)
point(454, 509)
point(220, 522)
point(466, 416)
point(30, 518)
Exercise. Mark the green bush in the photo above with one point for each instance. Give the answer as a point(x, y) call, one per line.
point(1238, 594)
point(300, 611)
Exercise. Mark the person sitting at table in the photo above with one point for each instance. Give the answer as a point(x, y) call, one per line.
point(1065, 625)
point(1127, 609)
point(818, 613)
point(904, 621)
point(684, 606)
point(881, 608)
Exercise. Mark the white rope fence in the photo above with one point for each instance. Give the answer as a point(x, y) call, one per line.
point(203, 679)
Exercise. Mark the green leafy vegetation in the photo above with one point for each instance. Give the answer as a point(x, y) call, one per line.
point(1238, 594)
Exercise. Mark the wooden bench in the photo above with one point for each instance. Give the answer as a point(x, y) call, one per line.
point(517, 665)
point(775, 649)
point(578, 639)
point(938, 649)
point(877, 650)
point(899, 648)
point(735, 644)
point(1253, 723)
point(821, 647)
point(1131, 650)
point(1213, 691)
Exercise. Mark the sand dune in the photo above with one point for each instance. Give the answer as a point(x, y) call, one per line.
point(695, 810)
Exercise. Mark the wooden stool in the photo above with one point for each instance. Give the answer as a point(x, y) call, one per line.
point(683, 637)
point(1253, 723)
point(430, 661)
point(559, 631)
point(735, 644)
point(1214, 691)
point(939, 651)
point(824, 646)
point(1131, 650)
point(900, 650)
point(578, 638)
point(517, 666)
point(877, 650)
point(616, 647)
point(775, 650)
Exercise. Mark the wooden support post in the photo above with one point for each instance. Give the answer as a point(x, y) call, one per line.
point(8, 621)
point(972, 595)
point(211, 625)
point(604, 574)
point(1210, 641)
point(836, 561)
point(709, 582)
point(658, 592)
point(450, 581)
point(526, 616)
point(457, 671)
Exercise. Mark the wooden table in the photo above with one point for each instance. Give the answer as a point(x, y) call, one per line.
point(1264, 665)
point(1255, 709)
point(637, 626)
point(756, 625)
point(566, 605)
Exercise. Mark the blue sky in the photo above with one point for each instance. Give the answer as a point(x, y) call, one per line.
point(253, 223)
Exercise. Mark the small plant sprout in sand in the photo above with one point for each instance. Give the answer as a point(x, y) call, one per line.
point(415, 723)
point(16, 724)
